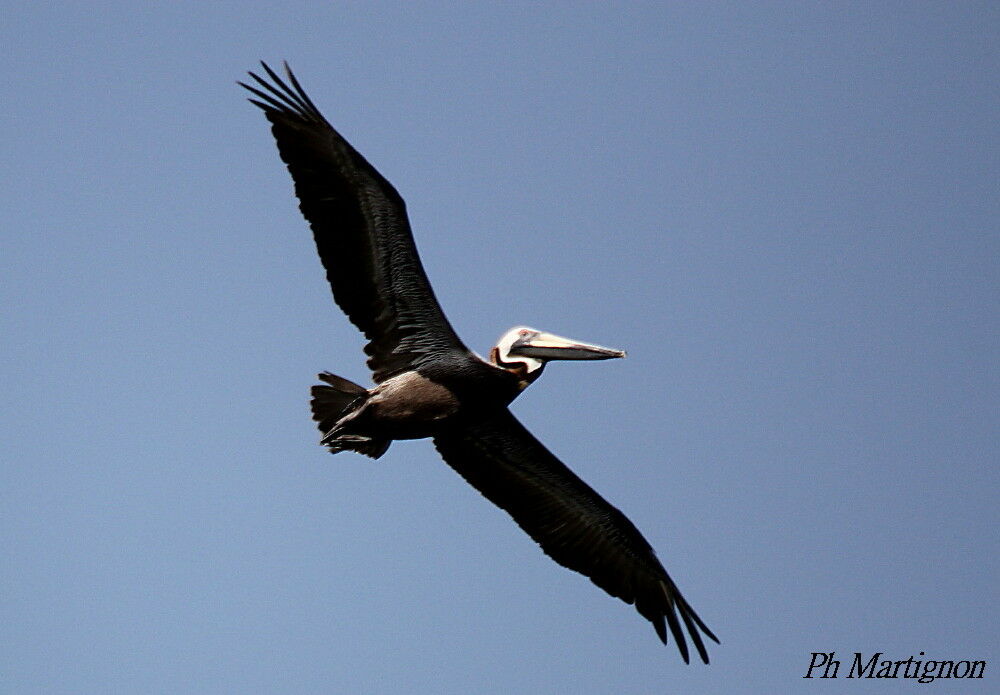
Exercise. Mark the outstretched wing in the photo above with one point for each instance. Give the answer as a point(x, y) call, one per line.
point(574, 525)
point(361, 230)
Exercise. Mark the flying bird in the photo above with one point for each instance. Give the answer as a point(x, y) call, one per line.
point(429, 384)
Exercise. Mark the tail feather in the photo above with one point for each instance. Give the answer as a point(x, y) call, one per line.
point(341, 384)
point(330, 404)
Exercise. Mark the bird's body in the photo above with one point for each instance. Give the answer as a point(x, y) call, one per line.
point(428, 384)
point(414, 404)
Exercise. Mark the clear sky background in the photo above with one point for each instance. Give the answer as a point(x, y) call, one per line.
point(786, 213)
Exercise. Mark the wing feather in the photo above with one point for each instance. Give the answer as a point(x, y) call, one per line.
point(574, 525)
point(361, 230)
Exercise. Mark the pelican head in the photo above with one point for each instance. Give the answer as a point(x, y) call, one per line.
point(528, 350)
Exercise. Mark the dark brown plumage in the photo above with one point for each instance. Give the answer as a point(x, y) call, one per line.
point(575, 526)
point(430, 384)
point(362, 233)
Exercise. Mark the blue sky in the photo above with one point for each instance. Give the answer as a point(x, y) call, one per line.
point(787, 213)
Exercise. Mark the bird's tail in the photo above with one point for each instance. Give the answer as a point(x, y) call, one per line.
point(331, 404)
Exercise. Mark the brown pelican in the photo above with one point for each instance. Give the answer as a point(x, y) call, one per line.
point(428, 384)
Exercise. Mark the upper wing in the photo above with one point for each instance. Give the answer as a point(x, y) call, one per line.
point(573, 524)
point(361, 230)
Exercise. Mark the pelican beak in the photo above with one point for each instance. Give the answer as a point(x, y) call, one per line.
point(546, 346)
